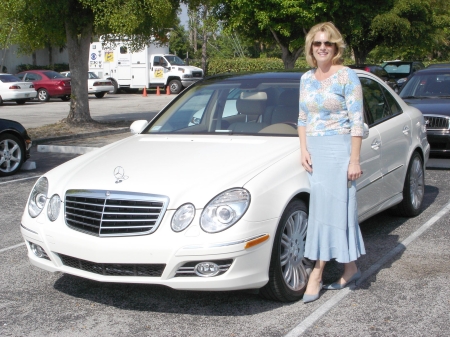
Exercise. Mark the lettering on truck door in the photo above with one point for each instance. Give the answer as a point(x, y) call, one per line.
point(157, 71)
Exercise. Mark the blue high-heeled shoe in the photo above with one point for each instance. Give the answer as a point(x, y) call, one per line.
point(338, 286)
point(311, 298)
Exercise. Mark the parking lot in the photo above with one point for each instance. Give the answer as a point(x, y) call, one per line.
point(404, 290)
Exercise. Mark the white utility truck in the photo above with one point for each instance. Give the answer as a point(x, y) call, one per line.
point(149, 68)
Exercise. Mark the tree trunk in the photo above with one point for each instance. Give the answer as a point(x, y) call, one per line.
point(50, 56)
point(34, 58)
point(78, 50)
point(360, 55)
point(205, 40)
point(287, 56)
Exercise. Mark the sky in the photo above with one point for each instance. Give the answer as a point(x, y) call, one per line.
point(183, 16)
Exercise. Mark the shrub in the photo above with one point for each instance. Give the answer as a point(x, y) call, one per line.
point(56, 67)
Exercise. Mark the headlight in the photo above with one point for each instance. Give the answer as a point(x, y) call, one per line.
point(225, 210)
point(54, 206)
point(38, 197)
point(183, 217)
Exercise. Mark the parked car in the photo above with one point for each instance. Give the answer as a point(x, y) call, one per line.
point(15, 145)
point(13, 89)
point(439, 65)
point(400, 70)
point(96, 86)
point(48, 83)
point(219, 204)
point(377, 70)
point(429, 91)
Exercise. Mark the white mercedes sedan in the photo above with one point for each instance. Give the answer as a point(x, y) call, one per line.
point(13, 89)
point(218, 202)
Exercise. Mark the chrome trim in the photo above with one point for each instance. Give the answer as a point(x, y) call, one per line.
point(95, 210)
point(394, 169)
point(29, 229)
point(369, 183)
point(223, 244)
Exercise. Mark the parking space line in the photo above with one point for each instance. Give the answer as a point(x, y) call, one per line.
point(328, 305)
point(12, 181)
point(12, 247)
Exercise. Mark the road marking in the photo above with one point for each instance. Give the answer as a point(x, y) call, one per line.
point(341, 294)
point(13, 181)
point(12, 247)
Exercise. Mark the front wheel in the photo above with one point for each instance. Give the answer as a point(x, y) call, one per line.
point(12, 154)
point(175, 87)
point(43, 95)
point(21, 101)
point(414, 188)
point(65, 98)
point(289, 270)
point(100, 94)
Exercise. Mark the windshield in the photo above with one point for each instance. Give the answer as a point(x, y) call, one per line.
point(398, 70)
point(9, 78)
point(92, 75)
point(256, 106)
point(53, 74)
point(174, 60)
point(427, 85)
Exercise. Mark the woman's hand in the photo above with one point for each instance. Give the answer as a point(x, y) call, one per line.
point(354, 171)
point(306, 161)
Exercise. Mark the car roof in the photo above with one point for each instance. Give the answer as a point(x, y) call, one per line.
point(433, 71)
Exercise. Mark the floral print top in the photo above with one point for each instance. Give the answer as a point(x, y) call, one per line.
point(333, 106)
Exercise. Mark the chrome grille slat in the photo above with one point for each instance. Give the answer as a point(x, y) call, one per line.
point(114, 213)
point(437, 122)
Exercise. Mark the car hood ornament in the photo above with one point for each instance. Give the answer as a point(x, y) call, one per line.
point(119, 174)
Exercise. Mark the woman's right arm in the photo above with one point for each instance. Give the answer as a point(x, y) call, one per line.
point(302, 118)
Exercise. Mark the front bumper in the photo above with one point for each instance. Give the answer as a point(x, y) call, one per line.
point(189, 81)
point(439, 141)
point(248, 270)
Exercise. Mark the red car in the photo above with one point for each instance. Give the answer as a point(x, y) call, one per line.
point(48, 83)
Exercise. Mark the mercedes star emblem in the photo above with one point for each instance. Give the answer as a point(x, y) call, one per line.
point(119, 173)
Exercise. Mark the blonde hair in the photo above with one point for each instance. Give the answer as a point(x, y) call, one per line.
point(333, 36)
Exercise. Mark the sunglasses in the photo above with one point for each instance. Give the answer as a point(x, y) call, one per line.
point(319, 43)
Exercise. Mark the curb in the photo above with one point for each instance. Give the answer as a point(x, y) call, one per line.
point(80, 135)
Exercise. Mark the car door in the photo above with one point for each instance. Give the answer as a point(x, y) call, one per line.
point(369, 186)
point(394, 128)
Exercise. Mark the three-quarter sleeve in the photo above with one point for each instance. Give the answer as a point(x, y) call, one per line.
point(354, 102)
point(302, 112)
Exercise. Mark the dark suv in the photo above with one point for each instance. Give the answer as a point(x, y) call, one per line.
point(376, 70)
point(400, 70)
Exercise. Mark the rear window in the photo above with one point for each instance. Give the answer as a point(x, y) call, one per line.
point(9, 78)
point(53, 74)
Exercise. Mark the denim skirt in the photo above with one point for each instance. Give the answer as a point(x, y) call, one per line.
point(333, 229)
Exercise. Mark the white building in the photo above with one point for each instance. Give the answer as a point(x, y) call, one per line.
point(10, 58)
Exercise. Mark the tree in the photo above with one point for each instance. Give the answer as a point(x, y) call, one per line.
point(285, 21)
point(76, 22)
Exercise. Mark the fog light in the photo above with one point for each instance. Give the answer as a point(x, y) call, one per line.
point(207, 269)
point(38, 251)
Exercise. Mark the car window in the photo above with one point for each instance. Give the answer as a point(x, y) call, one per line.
point(378, 101)
point(429, 85)
point(53, 74)
point(175, 60)
point(9, 78)
point(256, 107)
point(403, 69)
point(32, 77)
point(156, 60)
point(92, 75)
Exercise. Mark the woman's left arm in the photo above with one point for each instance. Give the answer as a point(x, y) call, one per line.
point(354, 102)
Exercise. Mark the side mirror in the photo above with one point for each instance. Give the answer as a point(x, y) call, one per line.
point(365, 131)
point(137, 126)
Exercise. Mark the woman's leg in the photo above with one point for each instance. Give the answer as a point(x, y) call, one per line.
point(315, 278)
point(350, 269)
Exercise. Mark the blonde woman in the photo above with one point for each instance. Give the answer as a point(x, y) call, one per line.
point(330, 128)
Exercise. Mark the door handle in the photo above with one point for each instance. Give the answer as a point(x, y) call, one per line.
point(405, 129)
point(375, 144)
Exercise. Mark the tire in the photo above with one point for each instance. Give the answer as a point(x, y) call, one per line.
point(116, 88)
point(21, 101)
point(100, 94)
point(1, 101)
point(65, 98)
point(289, 270)
point(43, 95)
point(12, 154)
point(175, 87)
point(413, 190)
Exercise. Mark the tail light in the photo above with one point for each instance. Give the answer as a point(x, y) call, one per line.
point(14, 87)
point(367, 69)
point(31, 86)
point(96, 84)
point(65, 83)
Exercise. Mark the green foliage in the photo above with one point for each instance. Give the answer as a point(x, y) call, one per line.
point(243, 64)
point(58, 67)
